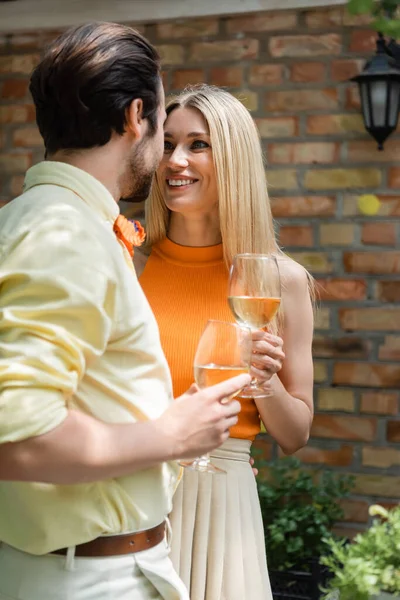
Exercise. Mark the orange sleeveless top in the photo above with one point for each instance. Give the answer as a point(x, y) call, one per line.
point(185, 287)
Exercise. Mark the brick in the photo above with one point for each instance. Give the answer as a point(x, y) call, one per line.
point(165, 80)
point(27, 137)
point(381, 234)
point(366, 375)
point(324, 179)
point(14, 89)
point(248, 98)
point(303, 153)
point(322, 18)
point(270, 21)
point(307, 72)
point(18, 113)
point(171, 54)
point(335, 124)
point(389, 206)
point(282, 180)
point(394, 177)
point(352, 97)
point(337, 234)
point(290, 101)
point(229, 50)
point(262, 448)
point(389, 291)
point(316, 262)
point(278, 127)
point(22, 63)
point(16, 184)
point(370, 319)
point(341, 289)
point(336, 399)
point(362, 429)
point(379, 403)
point(340, 347)
point(322, 318)
point(139, 27)
point(303, 206)
point(320, 372)
point(227, 76)
point(14, 163)
point(382, 458)
point(377, 485)
point(363, 41)
point(26, 41)
point(266, 74)
point(366, 151)
point(390, 350)
point(393, 431)
point(192, 28)
point(296, 236)
point(344, 69)
point(355, 510)
point(356, 20)
point(372, 262)
point(184, 77)
point(305, 45)
point(341, 457)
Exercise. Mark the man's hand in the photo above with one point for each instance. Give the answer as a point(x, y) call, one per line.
point(199, 420)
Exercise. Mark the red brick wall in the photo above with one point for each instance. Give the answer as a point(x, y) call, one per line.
point(290, 69)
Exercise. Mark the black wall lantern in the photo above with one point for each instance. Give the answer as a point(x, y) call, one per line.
point(379, 85)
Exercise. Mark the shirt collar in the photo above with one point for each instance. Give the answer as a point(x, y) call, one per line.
point(87, 187)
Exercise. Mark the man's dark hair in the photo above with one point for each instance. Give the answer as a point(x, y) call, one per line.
point(87, 79)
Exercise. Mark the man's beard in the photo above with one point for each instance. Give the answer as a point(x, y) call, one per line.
point(141, 177)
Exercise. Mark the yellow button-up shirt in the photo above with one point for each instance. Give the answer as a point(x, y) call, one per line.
point(75, 332)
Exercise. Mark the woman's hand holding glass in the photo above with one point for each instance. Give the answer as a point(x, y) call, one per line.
point(254, 297)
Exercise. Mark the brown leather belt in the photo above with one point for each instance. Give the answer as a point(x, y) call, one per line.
point(113, 545)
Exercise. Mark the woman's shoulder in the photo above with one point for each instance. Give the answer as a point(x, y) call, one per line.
point(293, 275)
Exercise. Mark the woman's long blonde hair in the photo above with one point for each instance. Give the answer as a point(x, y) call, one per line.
point(245, 215)
point(244, 208)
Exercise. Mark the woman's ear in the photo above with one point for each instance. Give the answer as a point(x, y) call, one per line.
point(135, 124)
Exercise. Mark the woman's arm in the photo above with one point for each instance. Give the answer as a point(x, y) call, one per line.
point(288, 413)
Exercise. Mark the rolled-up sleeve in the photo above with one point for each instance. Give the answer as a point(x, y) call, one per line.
point(55, 317)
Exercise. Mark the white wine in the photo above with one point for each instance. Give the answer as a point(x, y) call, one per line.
point(211, 374)
point(255, 312)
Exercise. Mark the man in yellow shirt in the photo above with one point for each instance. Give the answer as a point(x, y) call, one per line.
point(89, 434)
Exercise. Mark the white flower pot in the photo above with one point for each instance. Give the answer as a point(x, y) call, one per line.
point(385, 596)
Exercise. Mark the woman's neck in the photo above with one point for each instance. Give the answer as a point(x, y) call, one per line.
point(196, 232)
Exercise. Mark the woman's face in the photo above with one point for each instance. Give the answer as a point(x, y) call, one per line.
point(186, 173)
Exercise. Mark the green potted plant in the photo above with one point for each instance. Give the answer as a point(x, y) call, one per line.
point(369, 567)
point(299, 508)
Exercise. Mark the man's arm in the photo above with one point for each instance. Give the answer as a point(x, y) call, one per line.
point(83, 449)
point(57, 306)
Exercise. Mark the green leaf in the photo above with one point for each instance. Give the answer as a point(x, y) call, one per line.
point(357, 7)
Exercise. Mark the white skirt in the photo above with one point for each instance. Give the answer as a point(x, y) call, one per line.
point(218, 544)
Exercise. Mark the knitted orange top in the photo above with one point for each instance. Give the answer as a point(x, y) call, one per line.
point(185, 287)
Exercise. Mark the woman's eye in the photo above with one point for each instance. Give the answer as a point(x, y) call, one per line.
point(168, 146)
point(199, 145)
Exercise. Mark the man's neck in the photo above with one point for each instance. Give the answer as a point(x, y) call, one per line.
point(99, 162)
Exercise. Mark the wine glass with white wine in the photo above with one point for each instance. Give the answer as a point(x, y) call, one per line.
point(223, 352)
point(254, 297)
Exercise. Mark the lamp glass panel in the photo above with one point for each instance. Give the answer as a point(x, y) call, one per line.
point(365, 103)
point(379, 97)
point(394, 107)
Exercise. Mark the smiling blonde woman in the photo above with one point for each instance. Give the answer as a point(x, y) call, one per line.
point(209, 202)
